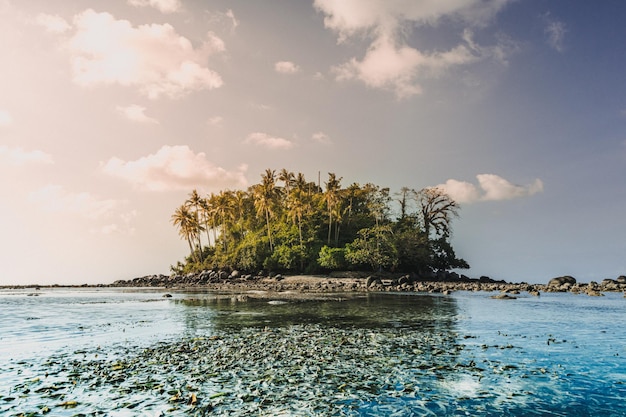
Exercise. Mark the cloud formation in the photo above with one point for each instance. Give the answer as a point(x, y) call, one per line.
point(286, 67)
point(215, 121)
point(54, 198)
point(5, 118)
point(555, 30)
point(18, 156)
point(153, 58)
point(174, 168)
point(321, 137)
point(390, 63)
point(491, 187)
point(267, 141)
point(164, 6)
point(53, 23)
point(136, 113)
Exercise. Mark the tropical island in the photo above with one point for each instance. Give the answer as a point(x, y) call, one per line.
point(290, 225)
point(287, 233)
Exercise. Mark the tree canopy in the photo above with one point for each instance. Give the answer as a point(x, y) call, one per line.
point(288, 224)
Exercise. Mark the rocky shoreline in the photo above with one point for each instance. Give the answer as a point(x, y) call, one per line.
point(350, 281)
point(235, 281)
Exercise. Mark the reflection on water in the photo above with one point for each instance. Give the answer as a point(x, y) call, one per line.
point(372, 310)
point(124, 353)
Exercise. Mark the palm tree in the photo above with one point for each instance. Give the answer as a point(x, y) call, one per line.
point(205, 216)
point(298, 206)
point(239, 208)
point(224, 210)
point(265, 198)
point(188, 227)
point(195, 201)
point(331, 196)
point(288, 179)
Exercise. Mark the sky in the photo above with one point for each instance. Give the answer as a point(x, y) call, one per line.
point(112, 112)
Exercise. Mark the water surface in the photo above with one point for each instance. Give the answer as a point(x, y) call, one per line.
point(127, 353)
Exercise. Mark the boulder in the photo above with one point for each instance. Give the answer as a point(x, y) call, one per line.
point(621, 279)
point(610, 284)
point(560, 281)
point(503, 296)
point(371, 281)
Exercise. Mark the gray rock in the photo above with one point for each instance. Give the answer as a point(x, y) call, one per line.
point(371, 281)
point(560, 281)
point(503, 296)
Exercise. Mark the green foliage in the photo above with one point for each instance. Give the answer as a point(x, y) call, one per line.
point(373, 247)
point(285, 223)
point(251, 253)
point(332, 258)
point(443, 256)
point(285, 258)
point(413, 250)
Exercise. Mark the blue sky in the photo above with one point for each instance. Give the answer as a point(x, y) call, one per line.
point(111, 113)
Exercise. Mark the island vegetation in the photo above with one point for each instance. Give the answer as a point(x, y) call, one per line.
point(290, 225)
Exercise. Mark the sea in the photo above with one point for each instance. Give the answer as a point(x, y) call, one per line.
point(145, 352)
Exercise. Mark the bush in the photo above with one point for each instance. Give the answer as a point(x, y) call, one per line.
point(332, 258)
point(285, 258)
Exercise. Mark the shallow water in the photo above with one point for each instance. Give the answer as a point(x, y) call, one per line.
point(127, 353)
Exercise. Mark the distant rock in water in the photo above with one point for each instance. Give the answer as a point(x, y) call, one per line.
point(503, 296)
point(561, 281)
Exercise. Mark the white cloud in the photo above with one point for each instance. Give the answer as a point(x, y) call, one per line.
point(174, 168)
point(224, 19)
point(5, 118)
point(231, 16)
point(153, 57)
point(123, 227)
point(54, 198)
point(286, 67)
point(261, 106)
point(18, 156)
point(490, 188)
point(53, 23)
point(391, 67)
point(263, 139)
point(390, 63)
point(215, 121)
point(164, 6)
point(555, 30)
point(136, 113)
point(321, 137)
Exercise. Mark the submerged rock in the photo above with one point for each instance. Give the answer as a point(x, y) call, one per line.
point(503, 296)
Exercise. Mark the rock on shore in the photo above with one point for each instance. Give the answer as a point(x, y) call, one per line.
point(445, 283)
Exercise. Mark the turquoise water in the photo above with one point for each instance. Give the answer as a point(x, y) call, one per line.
point(134, 353)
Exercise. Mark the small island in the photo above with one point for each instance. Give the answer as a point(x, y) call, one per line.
point(289, 225)
point(289, 234)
